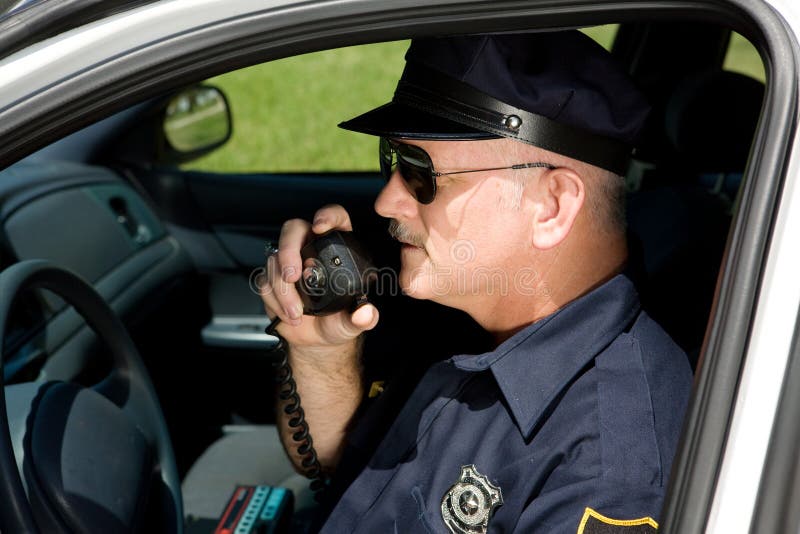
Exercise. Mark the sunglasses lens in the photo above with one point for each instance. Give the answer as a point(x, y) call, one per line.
point(415, 168)
point(418, 179)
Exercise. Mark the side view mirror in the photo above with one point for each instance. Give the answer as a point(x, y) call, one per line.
point(195, 121)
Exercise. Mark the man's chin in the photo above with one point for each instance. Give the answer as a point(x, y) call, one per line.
point(416, 278)
point(413, 283)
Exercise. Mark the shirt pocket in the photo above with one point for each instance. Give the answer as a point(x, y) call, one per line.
point(419, 516)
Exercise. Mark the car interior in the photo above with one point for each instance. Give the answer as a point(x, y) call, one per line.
point(173, 248)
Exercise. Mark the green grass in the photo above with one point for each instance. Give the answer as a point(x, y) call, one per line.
point(742, 57)
point(603, 34)
point(285, 112)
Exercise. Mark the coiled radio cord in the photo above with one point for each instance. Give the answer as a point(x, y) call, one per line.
point(287, 392)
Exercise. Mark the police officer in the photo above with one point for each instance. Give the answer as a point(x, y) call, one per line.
point(503, 156)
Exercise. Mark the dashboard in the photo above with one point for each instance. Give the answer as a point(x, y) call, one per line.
point(88, 220)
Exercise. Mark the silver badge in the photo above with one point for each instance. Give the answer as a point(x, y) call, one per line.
point(469, 503)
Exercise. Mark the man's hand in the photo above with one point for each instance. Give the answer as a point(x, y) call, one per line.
point(308, 334)
point(324, 352)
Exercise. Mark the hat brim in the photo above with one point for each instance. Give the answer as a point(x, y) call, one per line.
point(404, 122)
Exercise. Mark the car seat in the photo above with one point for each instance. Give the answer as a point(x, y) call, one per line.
point(680, 213)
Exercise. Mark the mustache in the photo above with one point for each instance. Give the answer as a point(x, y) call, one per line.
point(402, 233)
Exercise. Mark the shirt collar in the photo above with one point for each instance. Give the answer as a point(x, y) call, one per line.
point(536, 364)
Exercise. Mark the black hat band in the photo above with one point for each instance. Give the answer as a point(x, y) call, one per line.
point(433, 92)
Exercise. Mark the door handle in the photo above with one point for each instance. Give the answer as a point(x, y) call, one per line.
point(238, 332)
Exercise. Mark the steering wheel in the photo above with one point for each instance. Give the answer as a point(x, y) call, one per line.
point(88, 459)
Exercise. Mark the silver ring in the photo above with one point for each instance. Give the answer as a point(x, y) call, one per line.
point(270, 250)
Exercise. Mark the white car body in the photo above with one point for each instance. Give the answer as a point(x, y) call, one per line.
point(42, 69)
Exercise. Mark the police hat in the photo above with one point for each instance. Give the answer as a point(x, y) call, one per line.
point(559, 91)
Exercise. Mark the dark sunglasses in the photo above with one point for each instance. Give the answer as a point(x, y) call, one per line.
point(417, 170)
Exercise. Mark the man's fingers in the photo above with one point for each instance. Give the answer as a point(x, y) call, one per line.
point(330, 217)
point(285, 268)
point(289, 306)
point(293, 236)
point(271, 306)
point(342, 327)
point(364, 318)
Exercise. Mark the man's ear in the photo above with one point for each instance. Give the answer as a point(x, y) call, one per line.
point(557, 199)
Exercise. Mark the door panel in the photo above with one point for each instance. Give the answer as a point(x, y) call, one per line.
point(246, 210)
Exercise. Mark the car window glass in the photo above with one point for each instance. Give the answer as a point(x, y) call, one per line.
point(285, 112)
point(603, 34)
point(742, 57)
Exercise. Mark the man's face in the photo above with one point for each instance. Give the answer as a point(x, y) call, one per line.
point(464, 247)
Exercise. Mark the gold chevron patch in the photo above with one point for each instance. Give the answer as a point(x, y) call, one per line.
point(594, 522)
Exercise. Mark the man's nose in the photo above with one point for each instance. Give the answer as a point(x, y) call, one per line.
point(395, 201)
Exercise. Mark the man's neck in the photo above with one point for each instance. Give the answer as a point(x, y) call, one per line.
point(561, 283)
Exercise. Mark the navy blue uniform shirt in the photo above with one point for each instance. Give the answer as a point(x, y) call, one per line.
point(581, 409)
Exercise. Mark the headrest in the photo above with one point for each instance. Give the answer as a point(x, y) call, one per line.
point(711, 118)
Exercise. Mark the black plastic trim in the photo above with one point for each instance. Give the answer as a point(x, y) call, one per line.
point(224, 206)
point(28, 183)
point(106, 88)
